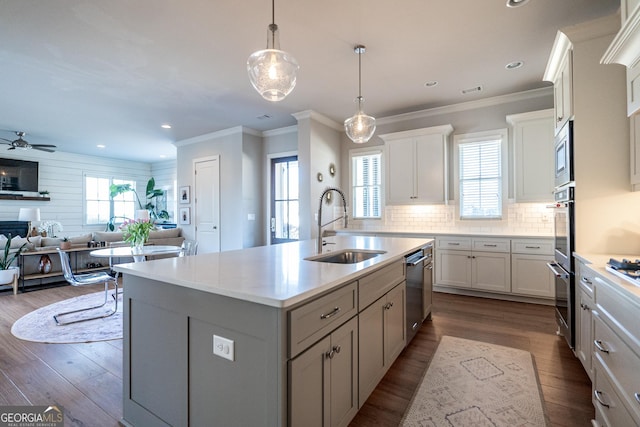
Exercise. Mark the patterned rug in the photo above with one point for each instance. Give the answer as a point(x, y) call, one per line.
point(39, 325)
point(475, 384)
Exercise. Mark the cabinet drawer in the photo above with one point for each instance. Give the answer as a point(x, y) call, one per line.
point(378, 283)
point(457, 243)
point(491, 245)
point(312, 321)
point(619, 313)
point(618, 361)
point(537, 247)
point(610, 411)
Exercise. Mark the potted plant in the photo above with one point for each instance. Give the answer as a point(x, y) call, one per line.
point(7, 257)
point(151, 194)
point(65, 244)
point(44, 193)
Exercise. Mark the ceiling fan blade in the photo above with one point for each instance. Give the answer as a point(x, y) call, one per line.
point(43, 148)
point(5, 139)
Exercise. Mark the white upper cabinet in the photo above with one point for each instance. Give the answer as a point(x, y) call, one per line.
point(560, 72)
point(532, 135)
point(416, 170)
point(625, 50)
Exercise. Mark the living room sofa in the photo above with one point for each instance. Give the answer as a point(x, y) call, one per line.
point(80, 260)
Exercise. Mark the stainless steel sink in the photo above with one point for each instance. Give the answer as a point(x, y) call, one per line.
point(346, 256)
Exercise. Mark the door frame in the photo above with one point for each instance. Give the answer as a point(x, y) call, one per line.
point(267, 190)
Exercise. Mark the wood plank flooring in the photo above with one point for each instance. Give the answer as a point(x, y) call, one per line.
point(86, 379)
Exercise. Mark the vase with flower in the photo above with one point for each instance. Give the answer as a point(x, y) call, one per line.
point(136, 233)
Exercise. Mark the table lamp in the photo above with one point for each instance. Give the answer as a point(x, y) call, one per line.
point(29, 215)
point(142, 214)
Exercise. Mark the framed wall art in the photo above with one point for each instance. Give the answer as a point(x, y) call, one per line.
point(184, 194)
point(185, 216)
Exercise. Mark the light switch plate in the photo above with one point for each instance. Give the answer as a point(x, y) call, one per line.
point(224, 348)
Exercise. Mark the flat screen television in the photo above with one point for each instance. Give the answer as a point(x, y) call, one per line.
point(18, 175)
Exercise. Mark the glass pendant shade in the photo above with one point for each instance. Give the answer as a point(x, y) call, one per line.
point(360, 127)
point(272, 72)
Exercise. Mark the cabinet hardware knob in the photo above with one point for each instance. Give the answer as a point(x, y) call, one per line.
point(330, 354)
point(637, 396)
point(388, 306)
point(600, 347)
point(559, 119)
point(598, 395)
point(337, 348)
point(331, 314)
point(584, 306)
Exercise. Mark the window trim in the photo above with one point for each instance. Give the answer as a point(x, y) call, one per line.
point(111, 178)
point(367, 151)
point(496, 134)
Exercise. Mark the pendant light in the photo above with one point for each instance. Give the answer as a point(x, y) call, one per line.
point(272, 72)
point(360, 127)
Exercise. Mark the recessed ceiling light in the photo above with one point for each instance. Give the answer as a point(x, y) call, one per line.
point(162, 156)
point(101, 146)
point(166, 126)
point(513, 65)
point(516, 3)
point(431, 83)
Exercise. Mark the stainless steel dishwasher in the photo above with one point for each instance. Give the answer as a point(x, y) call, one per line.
point(418, 266)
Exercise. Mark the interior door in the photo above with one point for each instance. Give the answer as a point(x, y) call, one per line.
point(207, 204)
point(285, 211)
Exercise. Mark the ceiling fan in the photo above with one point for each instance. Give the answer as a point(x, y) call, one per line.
point(24, 145)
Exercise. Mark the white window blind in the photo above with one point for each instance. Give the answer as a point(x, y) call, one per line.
point(480, 179)
point(366, 181)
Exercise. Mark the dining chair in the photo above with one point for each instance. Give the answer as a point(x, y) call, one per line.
point(189, 247)
point(86, 279)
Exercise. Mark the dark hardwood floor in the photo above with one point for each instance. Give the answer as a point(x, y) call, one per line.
point(86, 379)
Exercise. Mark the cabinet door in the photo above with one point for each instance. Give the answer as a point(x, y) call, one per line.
point(531, 276)
point(533, 146)
point(430, 169)
point(563, 89)
point(308, 395)
point(395, 323)
point(453, 268)
point(400, 182)
point(584, 341)
point(344, 374)
point(371, 363)
point(491, 271)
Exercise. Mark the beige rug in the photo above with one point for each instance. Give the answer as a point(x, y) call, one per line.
point(39, 325)
point(475, 384)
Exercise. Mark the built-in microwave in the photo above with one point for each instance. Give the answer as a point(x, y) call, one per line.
point(564, 155)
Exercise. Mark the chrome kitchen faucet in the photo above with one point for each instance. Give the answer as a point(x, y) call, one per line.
point(320, 225)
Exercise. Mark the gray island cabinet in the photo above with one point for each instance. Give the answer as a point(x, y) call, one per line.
point(262, 336)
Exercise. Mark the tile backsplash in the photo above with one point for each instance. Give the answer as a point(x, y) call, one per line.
point(520, 218)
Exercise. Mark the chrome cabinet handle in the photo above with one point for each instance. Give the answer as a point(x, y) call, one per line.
point(489, 246)
point(331, 353)
point(637, 396)
point(388, 306)
point(597, 394)
point(586, 280)
point(532, 247)
point(600, 347)
point(331, 314)
point(584, 306)
point(453, 243)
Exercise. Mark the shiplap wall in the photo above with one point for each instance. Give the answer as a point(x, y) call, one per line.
point(62, 174)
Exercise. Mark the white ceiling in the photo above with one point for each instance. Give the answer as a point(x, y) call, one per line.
point(79, 73)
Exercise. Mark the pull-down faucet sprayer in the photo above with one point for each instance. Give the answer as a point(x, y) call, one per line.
point(320, 224)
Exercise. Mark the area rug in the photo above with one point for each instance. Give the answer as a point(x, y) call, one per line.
point(39, 325)
point(475, 384)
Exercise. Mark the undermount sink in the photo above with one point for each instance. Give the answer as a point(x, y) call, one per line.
point(346, 256)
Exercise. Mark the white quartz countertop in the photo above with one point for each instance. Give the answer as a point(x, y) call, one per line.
point(598, 263)
point(276, 275)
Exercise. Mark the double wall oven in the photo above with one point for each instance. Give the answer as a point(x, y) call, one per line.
point(563, 267)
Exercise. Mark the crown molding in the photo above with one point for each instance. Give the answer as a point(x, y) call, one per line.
point(218, 134)
point(314, 115)
point(280, 131)
point(470, 105)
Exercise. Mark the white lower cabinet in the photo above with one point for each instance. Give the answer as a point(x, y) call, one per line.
point(585, 305)
point(531, 276)
point(482, 264)
point(324, 380)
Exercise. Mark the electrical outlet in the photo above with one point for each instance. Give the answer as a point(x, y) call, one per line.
point(224, 347)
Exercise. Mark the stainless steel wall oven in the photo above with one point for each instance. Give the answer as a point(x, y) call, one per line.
point(563, 266)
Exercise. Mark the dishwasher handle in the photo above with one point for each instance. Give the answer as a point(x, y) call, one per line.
point(412, 263)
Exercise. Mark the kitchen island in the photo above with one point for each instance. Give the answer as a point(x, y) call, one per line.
point(285, 329)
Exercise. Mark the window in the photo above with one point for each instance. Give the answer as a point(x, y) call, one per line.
point(366, 182)
point(99, 208)
point(480, 174)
